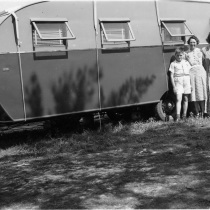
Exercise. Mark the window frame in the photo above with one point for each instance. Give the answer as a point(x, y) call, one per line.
point(164, 27)
point(115, 41)
point(52, 20)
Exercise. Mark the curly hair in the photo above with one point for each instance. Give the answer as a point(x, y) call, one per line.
point(208, 38)
point(193, 37)
point(179, 50)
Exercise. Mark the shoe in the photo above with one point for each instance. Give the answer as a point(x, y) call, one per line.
point(206, 115)
point(177, 118)
point(201, 114)
point(184, 117)
point(197, 116)
point(191, 115)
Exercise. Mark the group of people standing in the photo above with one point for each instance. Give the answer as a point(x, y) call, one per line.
point(189, 75)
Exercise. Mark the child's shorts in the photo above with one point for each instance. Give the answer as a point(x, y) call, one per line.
point(182, 85)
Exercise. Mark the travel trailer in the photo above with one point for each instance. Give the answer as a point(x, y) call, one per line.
point(77, 58)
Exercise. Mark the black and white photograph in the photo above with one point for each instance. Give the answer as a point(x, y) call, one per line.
point(104, 104)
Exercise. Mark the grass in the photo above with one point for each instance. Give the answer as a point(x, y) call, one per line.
point(137, 165)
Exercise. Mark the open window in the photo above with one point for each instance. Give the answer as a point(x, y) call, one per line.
point(174, 32)
point(51, 34)
point(116, 33)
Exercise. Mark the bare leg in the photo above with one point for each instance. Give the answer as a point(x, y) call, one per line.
point(178, 106)
point(185, 104)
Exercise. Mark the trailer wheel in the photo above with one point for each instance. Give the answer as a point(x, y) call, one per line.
point(165, 108)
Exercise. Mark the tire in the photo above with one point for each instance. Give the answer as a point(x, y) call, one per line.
point(165, 108)
point(160, 114)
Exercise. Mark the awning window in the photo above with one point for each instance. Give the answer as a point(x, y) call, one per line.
point(175, 31)
point(51, 32)
point(116, 30)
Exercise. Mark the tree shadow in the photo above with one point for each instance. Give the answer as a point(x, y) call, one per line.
point(77, 91)
point(33, 97)
point(73, 92)
point(165, 167)
point(130, 91)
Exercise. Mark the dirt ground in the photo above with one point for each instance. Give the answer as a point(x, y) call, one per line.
point(162, 168)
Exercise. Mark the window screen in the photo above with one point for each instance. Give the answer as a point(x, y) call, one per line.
point(115, 32)
point(175, 31)
point(51, 33)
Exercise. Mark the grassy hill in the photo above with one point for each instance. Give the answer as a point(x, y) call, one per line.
point(134, 165)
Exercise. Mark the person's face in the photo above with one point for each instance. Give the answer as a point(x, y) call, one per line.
point(179, 56)
point(193, 44)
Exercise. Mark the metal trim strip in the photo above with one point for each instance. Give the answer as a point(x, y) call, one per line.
point(114, 19)
point(4, 53)
point(49, 19)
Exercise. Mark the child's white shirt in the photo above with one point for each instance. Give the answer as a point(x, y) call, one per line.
point(180, 68)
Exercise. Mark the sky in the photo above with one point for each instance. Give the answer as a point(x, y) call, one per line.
point(6, 4)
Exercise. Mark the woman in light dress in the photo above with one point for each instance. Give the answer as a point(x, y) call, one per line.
point(198, 77)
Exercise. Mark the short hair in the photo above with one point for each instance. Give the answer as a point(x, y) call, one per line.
point(193, 37)
point(179, 50)
point(208, 38)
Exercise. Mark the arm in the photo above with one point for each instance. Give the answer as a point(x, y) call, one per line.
point(171, 75)
point(204, 59)
point(188, 59)
point(189, 68)
point(172, 81)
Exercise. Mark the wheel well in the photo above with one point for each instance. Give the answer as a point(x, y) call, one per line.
point(168, 94)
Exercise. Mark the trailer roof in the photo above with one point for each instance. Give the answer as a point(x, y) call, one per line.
point(7, 12)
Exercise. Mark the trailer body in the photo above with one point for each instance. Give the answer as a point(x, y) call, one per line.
point(79, 57)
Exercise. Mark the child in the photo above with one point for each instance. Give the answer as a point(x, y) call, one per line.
point(180, 79)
